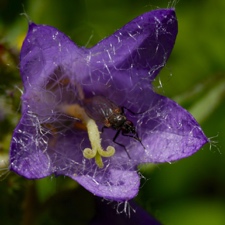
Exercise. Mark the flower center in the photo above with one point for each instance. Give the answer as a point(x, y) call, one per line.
point(96, 151)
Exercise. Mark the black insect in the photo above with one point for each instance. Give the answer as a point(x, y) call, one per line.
point(104, 111)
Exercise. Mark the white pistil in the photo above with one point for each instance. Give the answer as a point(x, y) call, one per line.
point(96, 151)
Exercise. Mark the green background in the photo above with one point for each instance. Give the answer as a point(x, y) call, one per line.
point(191, 191)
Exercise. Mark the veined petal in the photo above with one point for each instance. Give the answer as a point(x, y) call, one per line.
point(28, 156)
point(38, 151)
point(168, 132)
point(45, 49)
point(115, 184)
point(140, 48)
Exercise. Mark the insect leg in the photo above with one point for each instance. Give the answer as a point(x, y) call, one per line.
point(103, 128)
point(134, 137)
point(114, 140)
point(132, 112)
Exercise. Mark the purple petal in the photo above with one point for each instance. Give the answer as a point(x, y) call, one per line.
point(141, 47)
point(130, 214)
point(37, 153)
point(43, 50)
point(137, 51)
point(28, 156)
point(115, 184)
point(167, 131)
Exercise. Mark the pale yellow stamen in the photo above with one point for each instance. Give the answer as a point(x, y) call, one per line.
point(96, 151)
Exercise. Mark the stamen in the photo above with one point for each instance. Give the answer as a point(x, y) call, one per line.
point(96, 151)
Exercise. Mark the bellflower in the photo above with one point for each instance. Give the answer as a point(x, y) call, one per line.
point(71, 93)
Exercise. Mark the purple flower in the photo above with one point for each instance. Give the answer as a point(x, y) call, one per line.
point(71, 92)
point(128, 213)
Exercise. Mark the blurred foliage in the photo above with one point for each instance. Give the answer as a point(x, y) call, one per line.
point(191, 191)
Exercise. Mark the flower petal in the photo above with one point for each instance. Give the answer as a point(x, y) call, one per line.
point(168, 132)
point(43, 50)
point(27, 156)
point(115, 184)
point(140, 48)
point(37, 150)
